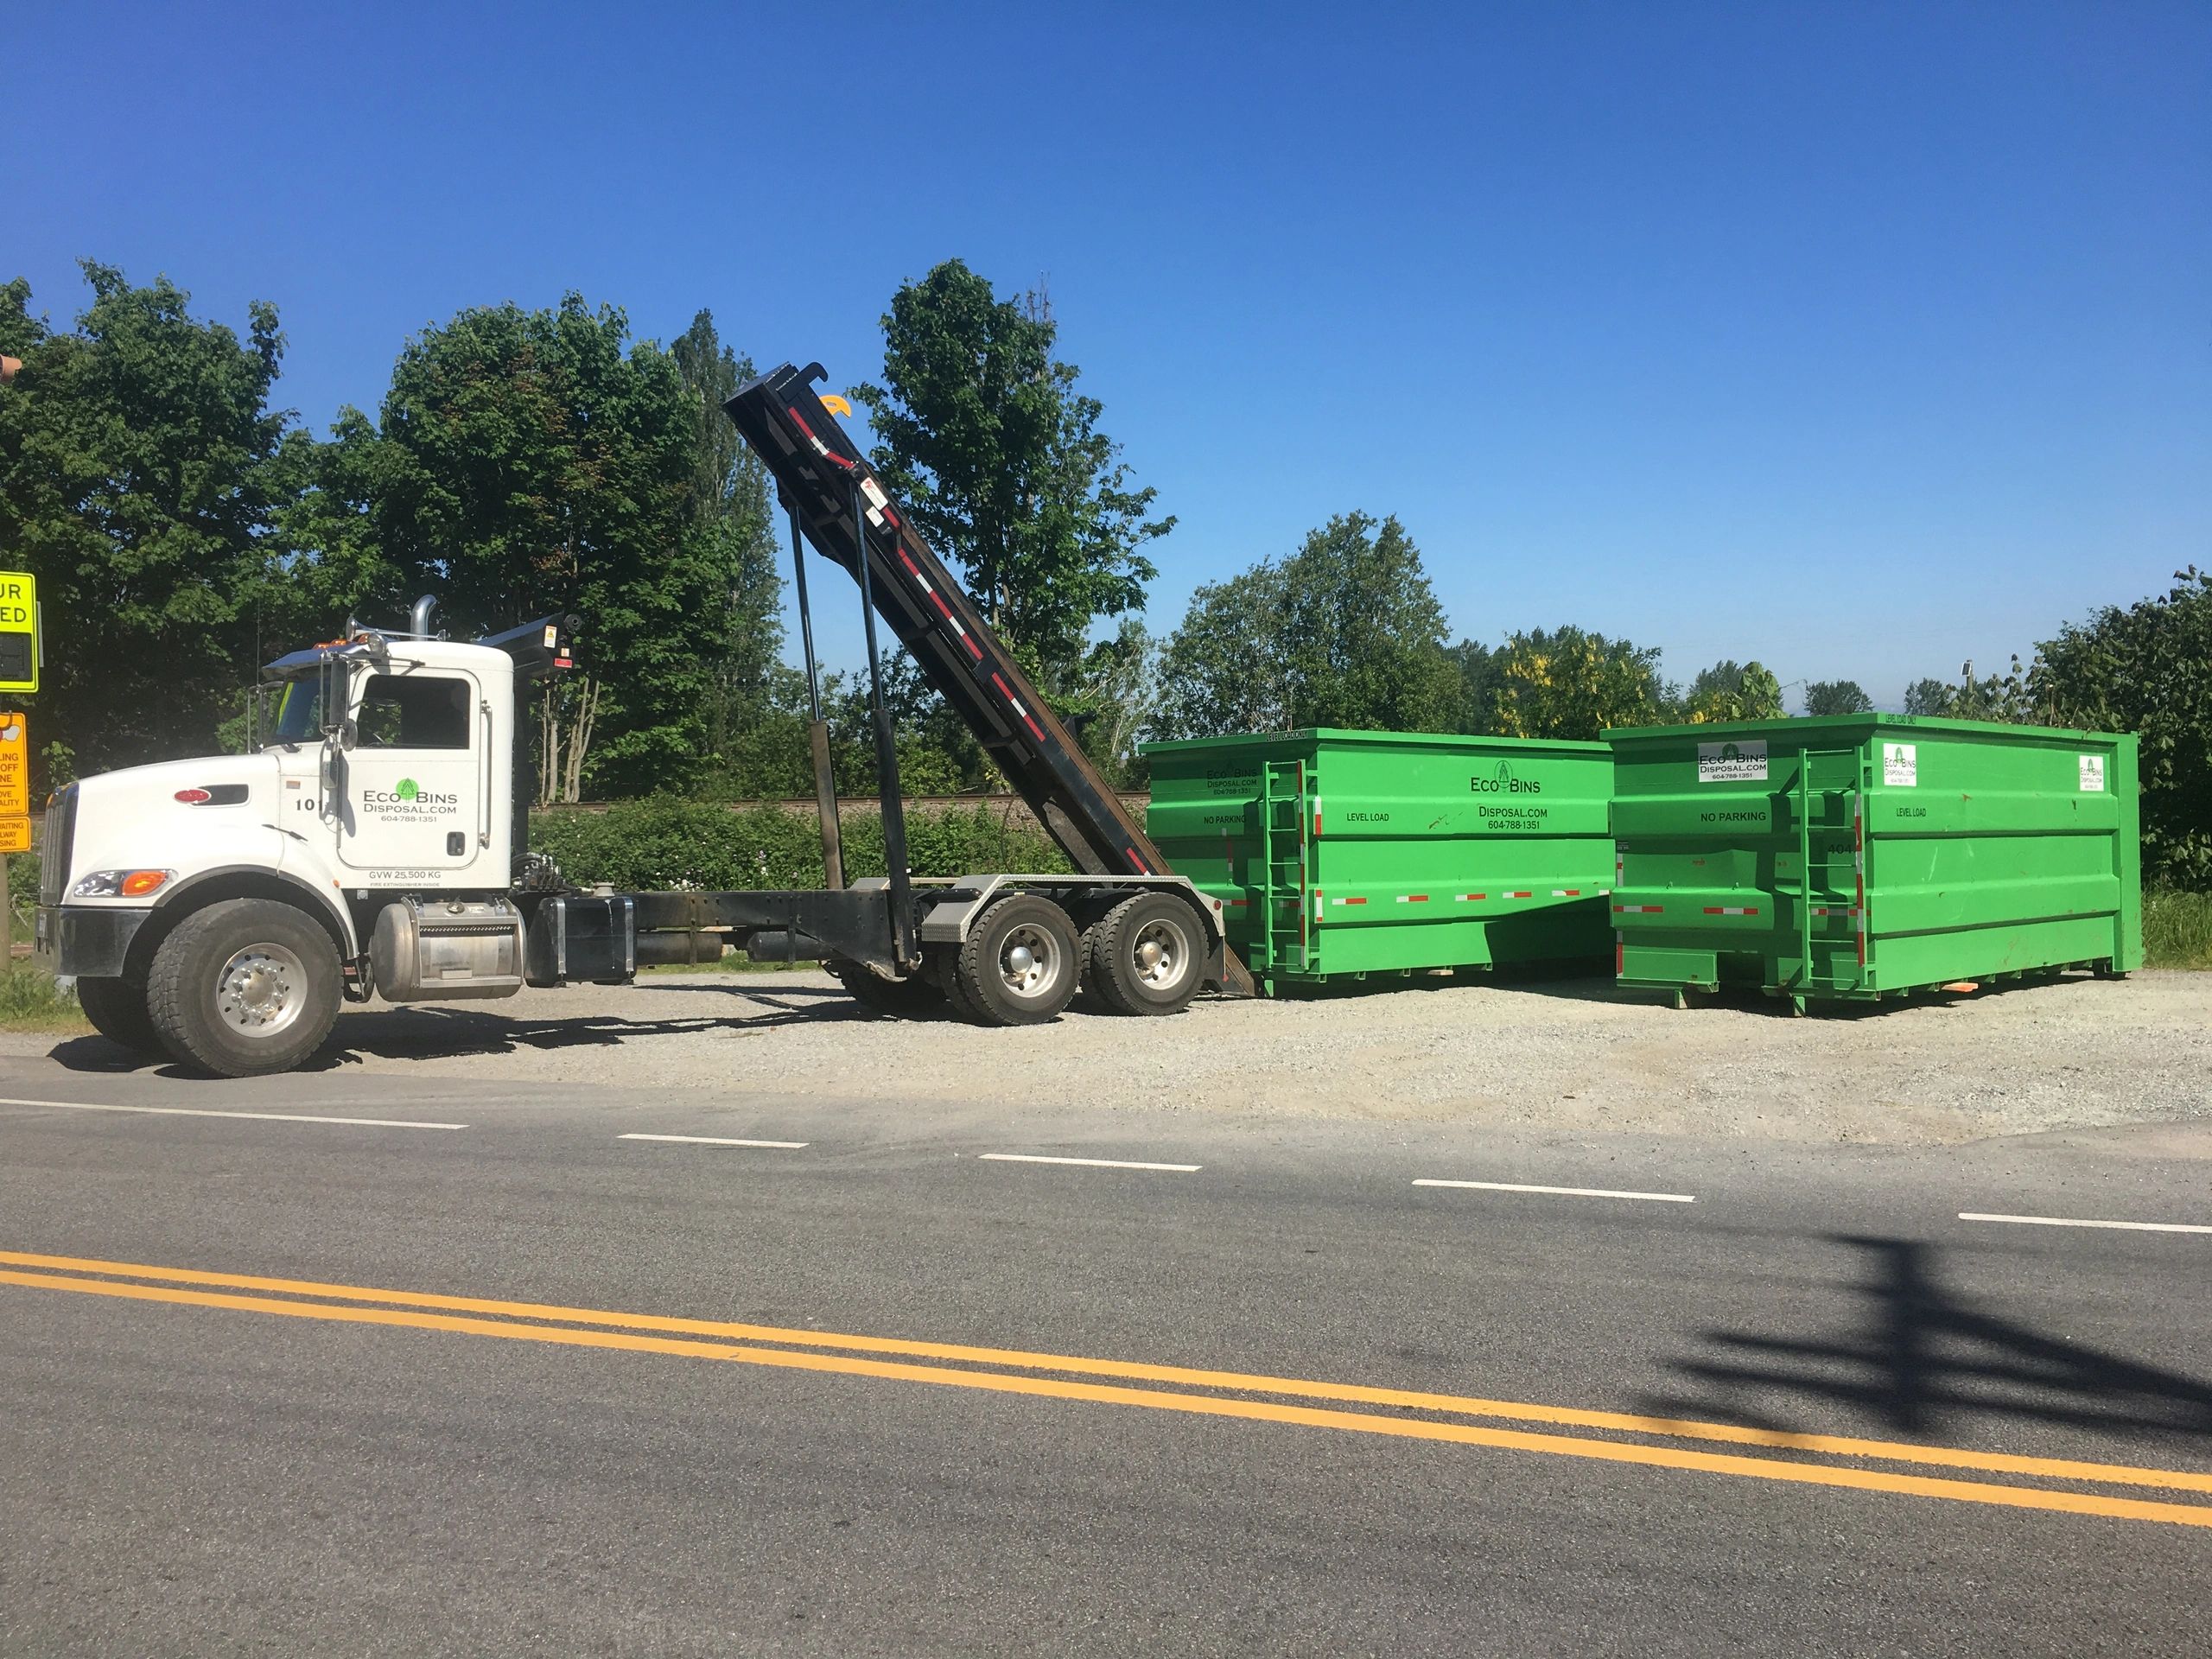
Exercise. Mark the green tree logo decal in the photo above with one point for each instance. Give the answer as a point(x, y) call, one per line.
point(407, 790)
point(1505, 775)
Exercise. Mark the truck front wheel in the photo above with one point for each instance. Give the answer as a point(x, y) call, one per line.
point(117, 1008)
point(242, 988)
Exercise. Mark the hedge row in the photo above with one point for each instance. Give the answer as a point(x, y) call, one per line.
point(667, 842)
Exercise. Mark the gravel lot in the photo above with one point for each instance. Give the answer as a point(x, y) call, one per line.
point(1572, 1056)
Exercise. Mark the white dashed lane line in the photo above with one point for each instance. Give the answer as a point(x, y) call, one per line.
point(717, 1140)
point(266, 1117)
point(1089, 1163)
point(1565, 1192)
point(2064, 1221)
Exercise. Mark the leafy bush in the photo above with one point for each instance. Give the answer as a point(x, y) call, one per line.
point(671, 842)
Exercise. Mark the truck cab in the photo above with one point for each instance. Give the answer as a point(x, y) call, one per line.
point(221, 909)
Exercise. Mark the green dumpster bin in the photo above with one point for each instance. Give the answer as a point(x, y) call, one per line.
point(1862, 856)
point(1339, 854)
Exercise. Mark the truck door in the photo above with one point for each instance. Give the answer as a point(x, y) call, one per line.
point(415, 804)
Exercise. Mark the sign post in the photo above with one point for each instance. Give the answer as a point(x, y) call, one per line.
point(14, 816)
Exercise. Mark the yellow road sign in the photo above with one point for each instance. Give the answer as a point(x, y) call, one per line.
point(15, 835)
point(19, 653)
point(15, 768)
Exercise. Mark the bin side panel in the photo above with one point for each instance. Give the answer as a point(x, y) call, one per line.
point(1860, 856)
point(1422, 851)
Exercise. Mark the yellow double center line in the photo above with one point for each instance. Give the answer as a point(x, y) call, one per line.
point(826, 1351)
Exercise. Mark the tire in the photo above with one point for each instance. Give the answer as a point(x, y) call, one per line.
point(1147, 956)
point(905, 999)
point(1019, 965)
point(1092, 994)
point(117, 1008)
point(244, 988)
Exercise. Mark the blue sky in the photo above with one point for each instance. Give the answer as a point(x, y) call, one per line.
point(1858, 338)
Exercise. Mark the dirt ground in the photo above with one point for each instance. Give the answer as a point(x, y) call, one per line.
point(1572, 1056)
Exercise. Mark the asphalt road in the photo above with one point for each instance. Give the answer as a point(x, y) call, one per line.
point(523, 1383)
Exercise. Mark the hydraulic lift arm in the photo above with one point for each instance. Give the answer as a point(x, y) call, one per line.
point(822, 475)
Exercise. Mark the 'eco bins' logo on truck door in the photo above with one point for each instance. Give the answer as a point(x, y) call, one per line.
point(409, 799)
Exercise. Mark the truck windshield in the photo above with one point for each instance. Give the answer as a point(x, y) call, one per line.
point(299, 711)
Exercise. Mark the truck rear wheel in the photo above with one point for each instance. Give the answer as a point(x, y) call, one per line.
point(117, 1008)
point(242, 988)
point(1147, 954)
point(1019, 966)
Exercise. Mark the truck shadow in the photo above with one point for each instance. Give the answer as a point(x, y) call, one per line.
point(1922, 1361)
point(435, 1031)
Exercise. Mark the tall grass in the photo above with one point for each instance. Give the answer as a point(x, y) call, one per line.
point(2178, 929)
point(28, 1002)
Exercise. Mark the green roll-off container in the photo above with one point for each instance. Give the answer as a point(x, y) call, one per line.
point(1340, 853)
point(1866, 855)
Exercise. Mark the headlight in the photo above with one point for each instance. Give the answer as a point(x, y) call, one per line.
point(119, 884)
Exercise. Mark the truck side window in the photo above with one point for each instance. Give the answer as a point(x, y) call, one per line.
point(413, 711)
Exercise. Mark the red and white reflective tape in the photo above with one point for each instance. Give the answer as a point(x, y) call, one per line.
point(944, 609)
point(1015, 704)
point(1620, 953)
point(1317, 903)
point(820, 448)
point(1413, 898)
point(1639, 910)
point(1835, 909)
point(1317, 817)
point(1732, 910)
point(1520, 895)
point(1470, 897)
point(1347, 901)
point(1135, 858)
point(1620, 869)
point(1567, 893)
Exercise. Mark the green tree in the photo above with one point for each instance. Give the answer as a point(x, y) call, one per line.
point(2006, 697)
point(1729, 691)
point(532, 462)
point(1224, 670)
point(1362, 632)
point(1477, 698)
point(2147, 669)
point(139, 475)
point(999, 458)
point(1927, 696)
point(1575, 683)
point(731, 507)
point(1837, 698)
point(1346, 632)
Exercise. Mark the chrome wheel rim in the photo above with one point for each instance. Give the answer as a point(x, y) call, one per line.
point(1029, 961)
point(260, 991)
point(1161, 953)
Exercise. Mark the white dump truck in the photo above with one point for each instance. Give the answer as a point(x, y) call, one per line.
point(375, 841)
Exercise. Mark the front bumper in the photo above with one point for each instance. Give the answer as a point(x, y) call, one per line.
point(86, 941)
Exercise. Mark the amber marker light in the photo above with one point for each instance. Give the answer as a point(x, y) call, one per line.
point(139, 883)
